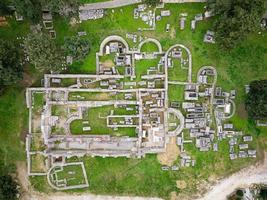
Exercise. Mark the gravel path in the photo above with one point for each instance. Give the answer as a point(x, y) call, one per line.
point(109, 4)
point(62, 196)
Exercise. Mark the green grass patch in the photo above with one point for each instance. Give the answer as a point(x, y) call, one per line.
point(96, 118)
point(149, 47)
point(176, 92)
point(13, 122)
point(73, 175)
point(142, 66)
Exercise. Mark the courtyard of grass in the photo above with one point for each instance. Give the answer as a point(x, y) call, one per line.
point(149, 47)
point(96, 118)
point(144, 177)
point(73, 175)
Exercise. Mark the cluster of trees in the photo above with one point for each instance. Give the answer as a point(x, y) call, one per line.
point(256, 101)
point(236, 19)
point(32, 9)
point(4, 9)
point(45, 55)
point(8, 186)
point(43, 52)
point(11, 68)
point(77, 47)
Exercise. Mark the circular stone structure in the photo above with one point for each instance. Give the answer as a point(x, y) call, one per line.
point(179, 116)
point(156, 42)
point(112, 38)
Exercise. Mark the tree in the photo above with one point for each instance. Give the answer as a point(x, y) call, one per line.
point(256, 100)
point(236, 19)
point(4, 9)
point(30, 9)
point(153, 3)
point(42, 52)
point(8, 188)
point(11, 69)
point(77, 47)
point(63, 7)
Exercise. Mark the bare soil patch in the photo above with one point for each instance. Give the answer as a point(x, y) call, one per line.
point(108, 63)
point(173, 33)
point(38, 163)
point(181, 184)
point(241, 111)
point(23, 180)
point(171, 154)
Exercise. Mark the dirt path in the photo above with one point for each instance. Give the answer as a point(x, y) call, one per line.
point(171, 154)
point(62, 196)
point(256, 174)
point(23, 180)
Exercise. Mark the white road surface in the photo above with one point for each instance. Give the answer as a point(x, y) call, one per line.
point(251, 175)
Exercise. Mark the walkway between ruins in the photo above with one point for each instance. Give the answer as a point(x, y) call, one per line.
point(109, 4)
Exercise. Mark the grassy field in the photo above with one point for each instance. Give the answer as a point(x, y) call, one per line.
point(13, 124)
point(144, 177)
point(176, 93)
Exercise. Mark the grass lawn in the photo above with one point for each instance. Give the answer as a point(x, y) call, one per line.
point(38, 163)
point(142, 66)
point(98, 123)
point(176, 92)
point(13, 123)
point(38, 103)
point(173, 119)
point(144, 177)
point(177, 73)
point(149, 47)
point(73, 175)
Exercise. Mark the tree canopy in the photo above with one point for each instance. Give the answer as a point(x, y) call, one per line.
point(77, 47)
point(256, 101)
point(63, 7)
point(32, 9)
point(236, 19)
point(8, 188)
point(11, 69)
point(42, 52)
point(4, 9)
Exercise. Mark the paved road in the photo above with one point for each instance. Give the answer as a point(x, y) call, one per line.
point(109, 4)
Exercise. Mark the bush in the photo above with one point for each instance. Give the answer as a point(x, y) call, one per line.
point(256, 100)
